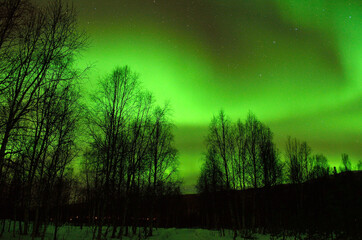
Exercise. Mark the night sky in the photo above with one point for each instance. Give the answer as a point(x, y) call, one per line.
point(296, 64)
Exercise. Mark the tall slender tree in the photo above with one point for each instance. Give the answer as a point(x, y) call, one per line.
point(37, 46)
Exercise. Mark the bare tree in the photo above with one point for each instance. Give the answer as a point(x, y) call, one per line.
point(228, 146)
point(14, 17)
point(219, 139)
point(320, 167)
point(211, 179)
point(162, 156)
point(113, 108)
point(346, 163)
point(209, 183)
point(37, 45)
point(359, 165)
point(245, 156)
point(131, 150)
point(242, 165)
point(252, 127)
point(294, 166)
point(139, 130)
point(306, 161)
point(241, 162)
point(270, 163)
point(48, 146)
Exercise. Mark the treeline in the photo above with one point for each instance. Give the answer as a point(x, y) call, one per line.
point(123, 139)
point(242, 155)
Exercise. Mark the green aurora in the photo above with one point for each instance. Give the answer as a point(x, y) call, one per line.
point(296, 64)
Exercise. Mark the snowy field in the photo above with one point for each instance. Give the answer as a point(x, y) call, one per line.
point(76, 233)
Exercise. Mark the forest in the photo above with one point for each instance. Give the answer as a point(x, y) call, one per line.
point(108, 159)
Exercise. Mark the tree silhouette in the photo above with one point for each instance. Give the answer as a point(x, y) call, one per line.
point(269, 157)
point(359, 165)
point(38, 103)
point(239, 156)
point(346, 163)
point(211, 176)
point(114, 106)
point(162, 157)
point(37, 47)
point(252, 127)
point(131, 153)
point(299, 163)
point(321, 167)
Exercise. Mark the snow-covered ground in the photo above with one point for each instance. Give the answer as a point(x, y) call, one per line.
point(76, 233)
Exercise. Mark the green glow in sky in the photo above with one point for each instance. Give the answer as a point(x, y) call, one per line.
point(296, 64)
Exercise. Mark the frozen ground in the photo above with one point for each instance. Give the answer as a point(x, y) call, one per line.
point(75, 233)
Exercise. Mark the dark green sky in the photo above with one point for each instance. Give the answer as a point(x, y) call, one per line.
point(296, 64)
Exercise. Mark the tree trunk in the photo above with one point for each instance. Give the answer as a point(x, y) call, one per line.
point(243, 209)
point(253, 215)
point(44, 230)
point(14, 227)
point(3, 149)
point(36, 223)
point(20, 227)
point(115, 224)
point(2, 227)
point(55, 230)
point(124, 218)
point(99, 233)
point(26, 219)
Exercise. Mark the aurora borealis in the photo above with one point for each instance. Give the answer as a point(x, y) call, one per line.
point(296, 64)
